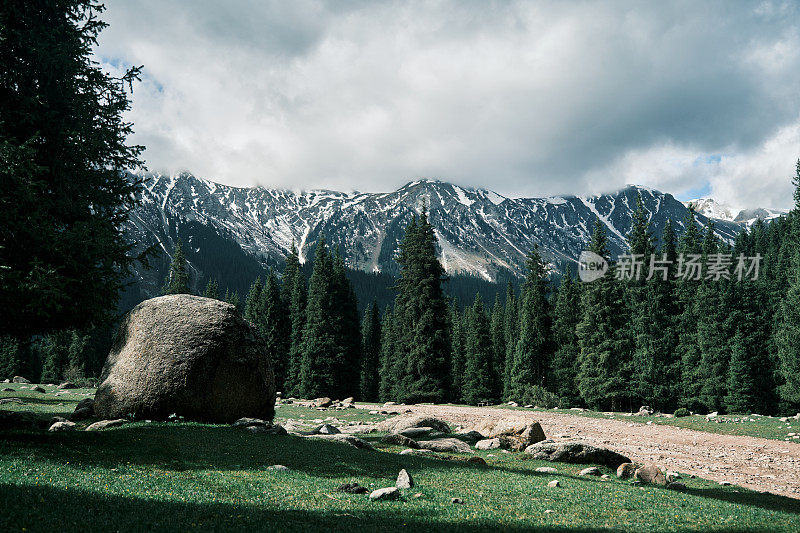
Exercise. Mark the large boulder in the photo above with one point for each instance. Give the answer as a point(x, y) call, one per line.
point(446, 445)
point(190, 356)
point(399, 423)
point(515, 432)
point(575, 452)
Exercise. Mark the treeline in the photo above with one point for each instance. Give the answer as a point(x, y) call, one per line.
point(707, 342)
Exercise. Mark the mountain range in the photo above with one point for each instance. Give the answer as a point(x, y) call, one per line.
point(238, 232)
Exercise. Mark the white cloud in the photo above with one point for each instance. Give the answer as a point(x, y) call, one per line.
point(525, 98)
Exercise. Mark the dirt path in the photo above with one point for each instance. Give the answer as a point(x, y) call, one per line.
point(759, 464)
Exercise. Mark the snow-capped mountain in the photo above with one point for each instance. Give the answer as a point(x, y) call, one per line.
point(479, 232)
point(719, 211)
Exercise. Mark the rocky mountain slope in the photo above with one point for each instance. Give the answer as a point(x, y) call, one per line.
point(239, 231)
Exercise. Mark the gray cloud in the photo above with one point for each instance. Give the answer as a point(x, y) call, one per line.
point(526, 98)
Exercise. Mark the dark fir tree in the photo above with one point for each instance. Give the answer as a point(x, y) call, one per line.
point(457, 352)
point(687, 349)
point(274, 327)
point(66, 192)
point(478, 384)
point(421, 315)
point(253, 309)
point(370, 353)
point(787, 338)
point(212, 289)
point(605, 349)
point(390, 362)
point(177, 281)
point(498, 329)
point(294, 291)
point(347, 331)
point(530, 362)
point(566, 315)
point(511, 334)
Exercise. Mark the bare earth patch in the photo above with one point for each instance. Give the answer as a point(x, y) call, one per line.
point(757, 464)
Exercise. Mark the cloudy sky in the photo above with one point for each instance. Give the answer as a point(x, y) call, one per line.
point(525, 98)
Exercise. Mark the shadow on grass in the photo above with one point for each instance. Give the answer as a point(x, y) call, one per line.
point(40, 508)
point(763, 500)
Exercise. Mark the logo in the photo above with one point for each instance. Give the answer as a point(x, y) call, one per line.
point(591, 266)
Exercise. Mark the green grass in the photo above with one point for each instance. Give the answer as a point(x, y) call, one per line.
point(766, 427)
point(186, 476)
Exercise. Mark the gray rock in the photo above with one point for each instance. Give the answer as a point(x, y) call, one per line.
point(445, 445)
point(246, 421)
point(546, 470)
point(322, 403)
point(399, 423)
point(11, 400)
point(279, 468)
point(62, 426)
point(554, 483)
point(675, 485)
point(326, 429)
point(84, 413)
point(651, 475)
point(67, 385)
point(20, 379)
point(415, 452)
point(575, 452)
point(389, 493)
point(269, 429)
point(469, 436)
point(104, 424)
point(37, 388)
point(399, 440)
point(194, 357)
point(487, 444)
point(404, 480)
point(591, 471)
point(86, 403)
point(9, 389)
point(626, 470)
point(456, 500)
point(352, 488)
point(355, 442)
point(515, 432)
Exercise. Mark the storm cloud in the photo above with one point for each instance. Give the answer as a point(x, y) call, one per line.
point(525, 98)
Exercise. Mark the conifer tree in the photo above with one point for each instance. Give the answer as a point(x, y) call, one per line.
point(566, 315)
point(788, 328)
point(531, 361)
point(478, 381)
point(511, 319)
point(390, 361)
point(253, 308)
point(421, 313)
point(605, 349)
point(458, 352)
point(212, 289)
point(177, 281)
point(275, 328)
point(688, 350)
point(294, 292)
point(347, 331)
point(498, 329)
point(371, 353)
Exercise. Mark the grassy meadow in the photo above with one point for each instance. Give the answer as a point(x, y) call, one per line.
point(187, 476)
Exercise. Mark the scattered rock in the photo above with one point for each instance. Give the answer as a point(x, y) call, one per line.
point(389, 493)
point(67, 385)
point(575, 452)
point(322, 403)
point(645, 410)
point(554, 483)
point(11, 400)
point(415, 433)
point(62, 426)
point(591, 471)
point(476, 460)
point(456, 500)
point(279, 468)
point(268, 429)
point(725, 483)
point(549, 511)
point(56, 419)
point(104, 424)
point(389, 404)
point(626, 470)
point(487, 444)
point(355, 442)
point(676, 486)
point(246, 421)
point(651, 475)
point(326, 429)
point(84, 413)
point(37, 388)
point(446, 445)
point(17, 420)
point(404, 480)
point(399, 423)
point(673, 476)
point(373, 412)
point(605, 477)
point(469, 436)
point(194, 357)
point(19, 379)
point(399, 440)
point(515, 433)
point(546, 470)
point(9, 389)
point(415, 451)
point(86, 403)
point(352, 488)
